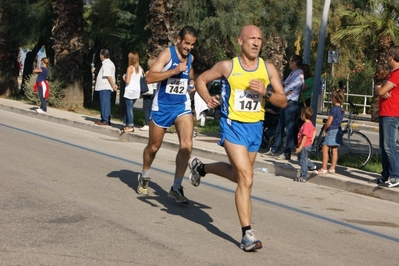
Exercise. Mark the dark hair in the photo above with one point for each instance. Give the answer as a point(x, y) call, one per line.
point(307, 73)
point(338, 95)
point(105, 53)
point(307, 112)
point(297, 59)
point(187, 30)
point(44, 60)
point(394, 52)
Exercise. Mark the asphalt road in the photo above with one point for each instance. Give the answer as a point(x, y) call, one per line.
point(67, 197)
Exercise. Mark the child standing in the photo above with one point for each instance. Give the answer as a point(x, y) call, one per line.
point(333, 131)
point(306, 135)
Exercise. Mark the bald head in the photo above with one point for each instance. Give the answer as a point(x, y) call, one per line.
point(248, 30)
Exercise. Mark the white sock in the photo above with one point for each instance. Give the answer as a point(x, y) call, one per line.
point(145, 173)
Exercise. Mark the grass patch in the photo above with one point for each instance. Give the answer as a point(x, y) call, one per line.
point(211, 126)
point(374, 165)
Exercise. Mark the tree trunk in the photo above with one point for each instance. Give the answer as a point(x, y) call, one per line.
point(29, 61)
point(276, 52)
point(69, 48)
point(9, 52)
point(381, 71)
point(162, 23)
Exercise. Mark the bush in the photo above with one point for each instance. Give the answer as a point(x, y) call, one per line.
point(57, 92)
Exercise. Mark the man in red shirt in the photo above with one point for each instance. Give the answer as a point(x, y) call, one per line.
point(389, 121)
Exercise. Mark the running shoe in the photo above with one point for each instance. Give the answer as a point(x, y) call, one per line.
point(381, 180)
point(284, 156)
point(40, 111)
point(393, 182)
point(144, 128)
point(142, 187)
point(178, 195)
point(269, 153)
point(194, 177)
point(249, 242)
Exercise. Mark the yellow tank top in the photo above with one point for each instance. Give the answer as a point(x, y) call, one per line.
point(244, 104)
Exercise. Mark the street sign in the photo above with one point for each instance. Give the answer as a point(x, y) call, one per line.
point(332, 57)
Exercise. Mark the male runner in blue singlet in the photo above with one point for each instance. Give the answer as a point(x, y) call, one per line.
point(171, 105)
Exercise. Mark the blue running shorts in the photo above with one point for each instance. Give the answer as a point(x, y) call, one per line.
point(245, 134)
point(166, 117)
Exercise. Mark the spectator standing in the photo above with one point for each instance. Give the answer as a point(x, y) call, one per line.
point(148, 97)
point(105, 85)
point(245, 88)
point(333, 131)
point(293, 85)
point(306, 136)
point(42, 85)
point(389, 121)
point(307, 89)
point(132, 90)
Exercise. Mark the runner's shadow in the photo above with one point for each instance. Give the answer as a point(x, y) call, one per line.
point(194, 211)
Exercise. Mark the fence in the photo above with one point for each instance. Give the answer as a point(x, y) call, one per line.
point(354, 98)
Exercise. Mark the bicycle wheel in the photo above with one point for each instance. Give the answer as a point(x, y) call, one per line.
point(355, 151)
point(318, 143)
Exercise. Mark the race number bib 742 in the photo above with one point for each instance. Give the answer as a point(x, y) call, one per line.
point(176, 86)
point(247, 101)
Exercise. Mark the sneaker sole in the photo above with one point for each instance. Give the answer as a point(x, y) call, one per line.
point(141, 191)
point(178, 201)
point(192, 182)
point(257, 245)
point(190, 176)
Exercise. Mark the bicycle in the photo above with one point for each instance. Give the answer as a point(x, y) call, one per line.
point(356, 149)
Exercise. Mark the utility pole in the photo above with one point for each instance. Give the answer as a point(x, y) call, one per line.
point(308, 31)
point(319, 61)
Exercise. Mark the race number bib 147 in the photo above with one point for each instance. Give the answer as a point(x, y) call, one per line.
point(247, 101)
point(176, 86)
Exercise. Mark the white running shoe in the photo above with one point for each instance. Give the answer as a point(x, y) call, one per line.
point(40, 111)
point(249, 242)
point(144, 128)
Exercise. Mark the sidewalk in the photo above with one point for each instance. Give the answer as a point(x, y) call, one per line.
point(349, 179)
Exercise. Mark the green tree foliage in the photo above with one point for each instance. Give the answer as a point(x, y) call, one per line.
point(12, 17)
point(371, 30)
point(361, 30)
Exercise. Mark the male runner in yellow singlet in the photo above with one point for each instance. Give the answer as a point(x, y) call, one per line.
point(247, 82)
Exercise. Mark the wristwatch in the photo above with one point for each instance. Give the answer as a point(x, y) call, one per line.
point(268, 93)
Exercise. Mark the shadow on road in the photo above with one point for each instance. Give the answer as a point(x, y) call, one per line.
point(158, 198)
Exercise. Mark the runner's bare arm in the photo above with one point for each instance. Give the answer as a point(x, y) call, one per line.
point(218, 71)
point(155, 73)
point(278, 97)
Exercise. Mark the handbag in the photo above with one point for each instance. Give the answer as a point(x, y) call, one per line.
point(143, 85)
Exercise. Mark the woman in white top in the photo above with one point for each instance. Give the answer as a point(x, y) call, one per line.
point(132, 89)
